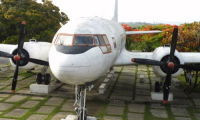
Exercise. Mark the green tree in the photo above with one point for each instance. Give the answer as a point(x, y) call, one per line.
point(42, 20)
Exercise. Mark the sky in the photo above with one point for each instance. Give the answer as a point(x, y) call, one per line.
point(150, 11)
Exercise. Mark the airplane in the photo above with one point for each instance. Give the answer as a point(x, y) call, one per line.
point(84, 49)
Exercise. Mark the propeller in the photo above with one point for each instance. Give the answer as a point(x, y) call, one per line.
point(18, 57)
point(170, 65)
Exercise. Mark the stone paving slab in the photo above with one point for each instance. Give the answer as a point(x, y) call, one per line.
point(142, 86)
point(180, 111)
point(135, 116)
point(157, 106)
point(16, 98)
point(124, 87)
point(114, 110)
point(117, 103)
point(112, 118)
point(45, 109)
point(17, 112)
point(122, 93)
point(136, 108)
point(145, 80)
point(30, 104)
point(129, 82)
point(182, 102)
point(54, 101)
point(124, 98)
point(61, 115)
point(142, 98)
point(68, 107)
point(182, 118)
point(37, 117)
point(142, 92)
point(127, 78)
point(197, 115)
point(4, 106)
point(159, 113)
point(127, 74)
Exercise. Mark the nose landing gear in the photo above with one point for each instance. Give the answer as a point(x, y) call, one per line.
point(80, 101)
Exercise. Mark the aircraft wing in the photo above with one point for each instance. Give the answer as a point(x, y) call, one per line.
point(141, 32)
point(5, 48)
point(126, 56)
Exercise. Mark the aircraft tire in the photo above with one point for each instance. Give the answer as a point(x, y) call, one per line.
point(157, 87)
point(47, 79)
point(39, 78)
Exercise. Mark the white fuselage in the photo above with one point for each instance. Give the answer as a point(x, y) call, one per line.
point(86, 66)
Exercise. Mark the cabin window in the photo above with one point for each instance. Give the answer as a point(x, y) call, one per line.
point(64, 40)
point(83, 40)
point(114, 42)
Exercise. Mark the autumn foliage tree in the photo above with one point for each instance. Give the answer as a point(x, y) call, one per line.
point(42, 20)
point(188, 37)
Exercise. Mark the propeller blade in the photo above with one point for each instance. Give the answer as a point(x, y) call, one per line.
point(166, 87)
point(21, 36)
point(148, 61)
point(37, 61)
point(173, 43)
point(189, 67)
point(14, 82)
point(6, 55)
point(17, 57)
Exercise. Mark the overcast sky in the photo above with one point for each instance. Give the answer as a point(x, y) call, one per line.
point(152, 11)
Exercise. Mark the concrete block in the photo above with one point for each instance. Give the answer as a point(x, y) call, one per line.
point(106, 80)
point(102, 88)
point(175, 82)
point(112, 72)
point(36, 88)
point(74, 117)
point(159, 96)
point(109, 75)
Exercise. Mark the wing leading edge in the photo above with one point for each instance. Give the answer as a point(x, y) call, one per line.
point(141, 32)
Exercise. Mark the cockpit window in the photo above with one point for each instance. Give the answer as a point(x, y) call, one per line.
point(64, 40)
point(101, 40)
point(96, 40)
point(83, 40)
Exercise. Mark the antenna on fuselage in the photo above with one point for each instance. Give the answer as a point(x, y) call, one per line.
point(115, 17)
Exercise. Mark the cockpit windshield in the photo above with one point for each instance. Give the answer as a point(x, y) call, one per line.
point(83, 40)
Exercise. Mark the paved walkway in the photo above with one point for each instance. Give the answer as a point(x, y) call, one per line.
point(126, 98)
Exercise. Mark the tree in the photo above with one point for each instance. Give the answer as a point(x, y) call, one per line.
point(42, 20)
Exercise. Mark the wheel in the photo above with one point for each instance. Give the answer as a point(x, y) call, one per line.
point(39, 78)
point(157, 87)
point(47, 79)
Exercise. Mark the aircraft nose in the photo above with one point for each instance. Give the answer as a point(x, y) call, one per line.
point(78, 60)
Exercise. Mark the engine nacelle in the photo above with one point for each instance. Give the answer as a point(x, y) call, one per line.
point(162, 54)
point(32, 49)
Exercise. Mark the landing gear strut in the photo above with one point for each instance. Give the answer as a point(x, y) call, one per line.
point(43, 76)
point(80, 99)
